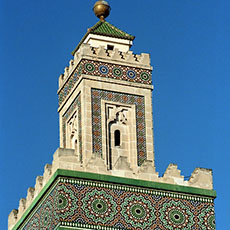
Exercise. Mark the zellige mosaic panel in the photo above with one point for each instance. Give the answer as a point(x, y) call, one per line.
point(100, 205)
point(97, 95)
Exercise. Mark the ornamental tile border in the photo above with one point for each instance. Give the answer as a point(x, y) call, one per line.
point(97, 95)
point(69, 84)
point(139, 190)
point(104, 69)
point(76, 104)
point(97, 205)
point(118, 72)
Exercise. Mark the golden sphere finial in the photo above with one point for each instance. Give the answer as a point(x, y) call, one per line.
point(101, 9)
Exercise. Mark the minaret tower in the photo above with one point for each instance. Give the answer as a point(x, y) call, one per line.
point(105, 100)
point(103, 175)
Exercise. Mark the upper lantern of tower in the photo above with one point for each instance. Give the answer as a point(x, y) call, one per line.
point(104, 33)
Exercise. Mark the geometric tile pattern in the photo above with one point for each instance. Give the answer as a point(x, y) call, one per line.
point(70, 83)
point(76, 104)
point(97, 95)
point(118, 72)
point(101, 205)
point(108, 70)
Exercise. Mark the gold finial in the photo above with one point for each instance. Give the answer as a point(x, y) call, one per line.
point(101, 9)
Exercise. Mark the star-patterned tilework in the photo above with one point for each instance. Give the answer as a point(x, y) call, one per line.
point(100, 205)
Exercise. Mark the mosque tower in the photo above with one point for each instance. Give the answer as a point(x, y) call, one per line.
point(103, 174)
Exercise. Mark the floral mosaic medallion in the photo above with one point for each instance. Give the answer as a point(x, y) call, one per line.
point(99, 207)
point(64, 202)
point(46, 215)
point(138, 211)
point(175, 215)
point(117, 72)
point(207, 219)
point(103, 69)
point(87, 204)
point(131, 74)
point(89, 67)
point(145, 76)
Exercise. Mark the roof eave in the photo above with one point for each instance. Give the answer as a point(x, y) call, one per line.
point(131, 38)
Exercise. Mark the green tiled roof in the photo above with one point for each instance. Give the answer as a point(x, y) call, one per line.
point(106, 29)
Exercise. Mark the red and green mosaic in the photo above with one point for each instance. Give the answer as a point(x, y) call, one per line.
point(97, 95)
point(89, 204)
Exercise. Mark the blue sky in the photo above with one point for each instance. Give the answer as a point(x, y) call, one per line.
point(189, 45)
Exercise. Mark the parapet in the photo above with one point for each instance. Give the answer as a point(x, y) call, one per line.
point(201, 178)
point(13, 218)
point(67, 159)
point(115, 56)
point(105, 64)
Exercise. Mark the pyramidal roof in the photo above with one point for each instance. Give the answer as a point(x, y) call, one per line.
point(105, 29)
